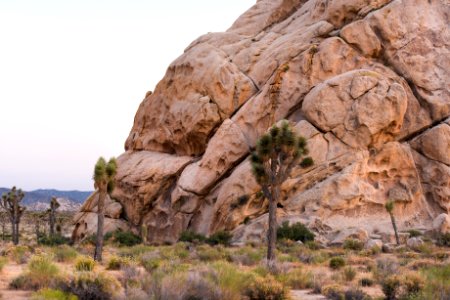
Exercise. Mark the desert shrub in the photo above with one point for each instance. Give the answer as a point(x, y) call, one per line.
point(116, 262)
point(442, 255)
point(150, 261)
point(191, 285)
point(3, 262)
point(412, 284)
point(366, 281)
point(64, 253)
point(92, 285)
point(232, 280)
point(191, 237)
point(135, 251)
point(41, 273)
point(355, 294)
point(437, 283)
point(353, 244)
point(53, 240)
point(444, 240)
point(126, 238)
point(349, 273)
point(313, 245)
point(297, 279)
point(220, 238)
point(333, 291)
point(262, 288)
point(414, 233)
point(51, 294)
point(295, 232)
point(386, 267)
point(247, 256)
point(337, 262)
point(208, 253)
point(391, 286)
point(20, 254)
point(84, 263)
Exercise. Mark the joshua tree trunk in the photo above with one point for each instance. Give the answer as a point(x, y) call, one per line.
point(394, 224)
point(272, 233)
point(3, 231)
point(52, 223)
point(101, 219)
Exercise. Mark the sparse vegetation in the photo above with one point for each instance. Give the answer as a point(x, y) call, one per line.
point(337, 262)
point(353, 244)
point(84, 263)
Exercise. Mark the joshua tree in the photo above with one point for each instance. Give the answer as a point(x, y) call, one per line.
point(38, 218)
point(52, 215)
point(11, 203)
point(3, 223)
point(277, 152)
point(104, 183)
point(390, 209)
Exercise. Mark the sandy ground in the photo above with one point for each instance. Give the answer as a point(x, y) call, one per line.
point(8, 273)
point(305, 295)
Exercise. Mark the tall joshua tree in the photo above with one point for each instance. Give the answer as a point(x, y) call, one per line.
point(54, 204)
point(104, 183)
point(3, 220)
point(277, 152)
point(11, 204)
point(390, 209)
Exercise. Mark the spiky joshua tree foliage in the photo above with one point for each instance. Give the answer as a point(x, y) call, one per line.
point(390, 209)
point(11, 204)
point(277, 152)
point(54, 205)
point(104, 173)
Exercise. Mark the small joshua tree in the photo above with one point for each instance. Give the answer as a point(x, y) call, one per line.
point(3, 220)
point(104, 183)
point(11, 204)
point(390, 209)
point(277, 152)
point(38, 218)
point(54, 204)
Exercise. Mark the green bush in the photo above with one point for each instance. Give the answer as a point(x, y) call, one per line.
point(366, 281)
point(444, 240)
point(220, 237)
point(337, 262)
point(437, 283)
point(414, 233)
point(262, 288)
point(391, 286)
point(353, 244)
point(50, 294)
point(294, 232)
point(53, 240)
point(126, 238)
point(92, 285)
point(191, 236)
point(297, 279)
point(41, 273)
point(116, 263)
point(84, 263)
point(64, 253)
point(349, 273)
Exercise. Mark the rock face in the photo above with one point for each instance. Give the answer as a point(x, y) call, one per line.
point(366, 82)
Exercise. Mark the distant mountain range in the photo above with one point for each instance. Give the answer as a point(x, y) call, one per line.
point(40, 199)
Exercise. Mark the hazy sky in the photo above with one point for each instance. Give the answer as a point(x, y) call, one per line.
point(72, 75)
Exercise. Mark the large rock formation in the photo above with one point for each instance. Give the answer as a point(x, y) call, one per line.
point(367, 82)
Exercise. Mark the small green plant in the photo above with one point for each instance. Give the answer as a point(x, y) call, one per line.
point(262, 288)
point(391, 287)
point(349, 273)
point(51, 294)
point(220, 238)
point(337, 262)
point(126, 238)
point(53, 240)
point(41, 273)
point(84, 263)
point(353, 244)
point(297, 279)
point(366, 282)
point(294, 232)
point(20, 254)
point(414, 233)
point(191, 237)
point(444, 239)
point(92, 285)
point(116, 263)
point(65, 253)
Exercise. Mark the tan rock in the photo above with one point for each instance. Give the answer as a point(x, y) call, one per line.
point(86, 225)
point(360, 34)
point(434, 143)
point(441, 224)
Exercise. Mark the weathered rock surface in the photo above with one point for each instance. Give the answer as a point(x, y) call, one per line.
point(367, 82)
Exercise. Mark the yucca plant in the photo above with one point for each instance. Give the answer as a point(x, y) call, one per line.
point(390, 209)
point(11, 204)
point(104, 184)
point(277, 152)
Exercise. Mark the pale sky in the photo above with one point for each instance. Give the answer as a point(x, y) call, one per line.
point(73, 73)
